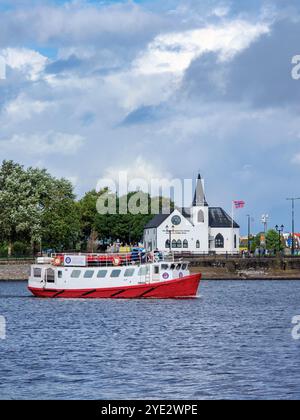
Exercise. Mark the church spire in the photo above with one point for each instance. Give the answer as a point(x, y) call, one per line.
point(199, 198)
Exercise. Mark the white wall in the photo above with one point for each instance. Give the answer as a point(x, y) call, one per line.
point(150, 239)
point(156, 238)
point(185, 231)
point(228, 240)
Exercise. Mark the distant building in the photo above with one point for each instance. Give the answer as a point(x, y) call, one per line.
point(288, 241)
point(198, 229)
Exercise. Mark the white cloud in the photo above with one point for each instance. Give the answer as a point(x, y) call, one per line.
point(23, 108)
point(139, 169)
point(296, 159)
point(174, 52)
point(29, 62)
point(221, 11)
point(43, 144)
point(158, 72)
point(77, 22)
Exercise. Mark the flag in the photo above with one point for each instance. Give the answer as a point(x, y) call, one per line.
point(239, 204)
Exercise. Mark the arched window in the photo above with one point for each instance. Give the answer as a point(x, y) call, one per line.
point(185, 244)
point(167, 246)
point(198, 244)
point(200, 216)
point(219, 241)
point(179, 244)
point(174, 243)
point(235, 241)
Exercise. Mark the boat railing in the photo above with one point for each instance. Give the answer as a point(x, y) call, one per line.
point(112, 259)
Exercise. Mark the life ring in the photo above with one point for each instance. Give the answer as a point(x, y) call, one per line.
point(57, 261)
point(117, 261)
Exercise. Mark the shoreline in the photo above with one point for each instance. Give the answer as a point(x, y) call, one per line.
point(20, 272)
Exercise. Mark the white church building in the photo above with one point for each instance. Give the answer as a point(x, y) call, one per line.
point(200, 229)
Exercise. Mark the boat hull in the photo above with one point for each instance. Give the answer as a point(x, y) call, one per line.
point(185, 287)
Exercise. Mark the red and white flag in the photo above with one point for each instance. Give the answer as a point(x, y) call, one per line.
point(239, 204)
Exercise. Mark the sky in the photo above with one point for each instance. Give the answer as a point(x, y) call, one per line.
point(158, 89)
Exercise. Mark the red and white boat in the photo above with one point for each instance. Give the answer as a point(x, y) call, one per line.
point(118, 276)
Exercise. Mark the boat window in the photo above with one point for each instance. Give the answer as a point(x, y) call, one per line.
point(101, 274)
point(88, 274)
point(75, 274)
point(37, 272)
point(178, 267)
point(50, 275)
point(129, 272)
point(172, 267)
point(156, 269)
point(115, 273)
point(59, 274)
point(184, 266)
point(165, 267)
point(143, 271)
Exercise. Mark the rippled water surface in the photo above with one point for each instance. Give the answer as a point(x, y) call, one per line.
point(234, 341)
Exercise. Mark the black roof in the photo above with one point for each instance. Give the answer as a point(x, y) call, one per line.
point(157, 220)
point(218, 218)
point(199, 197)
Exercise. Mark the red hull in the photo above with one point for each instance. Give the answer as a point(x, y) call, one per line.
point(180, 288)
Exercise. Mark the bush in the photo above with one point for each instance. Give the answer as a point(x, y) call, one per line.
point(3, 251)
point(20, 250)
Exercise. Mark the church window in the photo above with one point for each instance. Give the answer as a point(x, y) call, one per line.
point(167, 246)
point(219, 241)
point(185, 244)
point(200, 216)
point(198, 244)
point(174, 243)
point(179, 244)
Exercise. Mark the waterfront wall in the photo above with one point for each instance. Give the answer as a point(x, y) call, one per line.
point(211, 267)
point(247, 268)
point(15, 269)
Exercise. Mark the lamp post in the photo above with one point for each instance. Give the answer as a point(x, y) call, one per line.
point(279, 230)
point(293, 222)
point(169, 231)
point(249, 233)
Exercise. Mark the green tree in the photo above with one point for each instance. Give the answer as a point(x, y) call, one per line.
point(273, 242)
point(61, 217)
point(36, 208)
point(255, 242)
point(88, 213)
point(128, 227)
point(20, 213)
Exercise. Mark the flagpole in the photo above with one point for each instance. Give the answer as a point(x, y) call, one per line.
point(232, 241)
